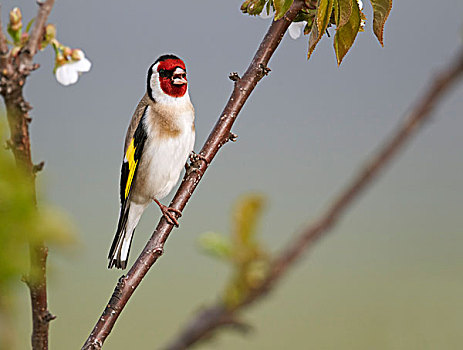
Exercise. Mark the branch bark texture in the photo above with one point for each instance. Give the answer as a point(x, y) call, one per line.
point(217, 316)
point(219, 136)
point(13, 74)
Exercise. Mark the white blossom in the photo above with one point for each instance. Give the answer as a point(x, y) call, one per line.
point(295, 29)
point(68, 73)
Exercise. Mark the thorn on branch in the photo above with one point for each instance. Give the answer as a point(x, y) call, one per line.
point(234, 77)
point(196, 157)
point(232, 137)
point(195, 162)
point(38, 167)
point(159, 251)
point(119, 287)
point(264, 69)
point(25, 107)
point(48, 317)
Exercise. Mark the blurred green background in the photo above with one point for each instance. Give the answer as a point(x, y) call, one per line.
point(388, 277)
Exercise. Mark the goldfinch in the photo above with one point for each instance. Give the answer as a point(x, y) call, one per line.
point(159, 140)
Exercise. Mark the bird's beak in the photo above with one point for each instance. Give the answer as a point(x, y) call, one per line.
point(179, 76)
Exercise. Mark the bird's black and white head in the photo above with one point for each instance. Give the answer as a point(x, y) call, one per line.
point(167, 81)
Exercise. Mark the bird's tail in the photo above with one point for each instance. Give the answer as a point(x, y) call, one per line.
point(128, 221)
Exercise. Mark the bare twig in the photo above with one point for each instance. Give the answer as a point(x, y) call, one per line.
point(37, 282)
point(13, 78)
point(218, 137)
point(212, 318)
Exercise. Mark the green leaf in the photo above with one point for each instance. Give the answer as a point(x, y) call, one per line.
point(322, 18)
point(216, 245)
point(22, 223)
point(342, 12)
point(29, 25)
point(381, 10)
point(345, 35)
point(281, 6)
point(246, 215)
point(15, 35)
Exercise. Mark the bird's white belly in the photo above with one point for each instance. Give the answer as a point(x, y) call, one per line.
point(162, 162)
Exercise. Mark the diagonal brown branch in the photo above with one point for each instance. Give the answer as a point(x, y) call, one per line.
point(214, 317)
point(13, 78)
point(218, 137)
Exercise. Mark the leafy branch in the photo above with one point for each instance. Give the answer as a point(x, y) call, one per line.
point(14, 71)
point(16, 64)
point(225, 314)
point(319, 15)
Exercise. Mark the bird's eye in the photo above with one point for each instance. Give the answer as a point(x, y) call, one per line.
point(164, 73)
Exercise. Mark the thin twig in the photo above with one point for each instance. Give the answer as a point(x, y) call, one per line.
point(35, 37)
point(212, 318)
point(218, 137)
point(5, 65)
point(11, 87)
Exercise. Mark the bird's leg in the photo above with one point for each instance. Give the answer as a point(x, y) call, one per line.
point(195, 159)
point(167, 212)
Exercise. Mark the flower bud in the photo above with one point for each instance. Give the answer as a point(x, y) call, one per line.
point(60, 60)
point(77, 54)
point(15, 19)
point(15, 15)
point(49, 35)
point(256, 7)
point(50, 32)
point(244, 6)
point(67, 52)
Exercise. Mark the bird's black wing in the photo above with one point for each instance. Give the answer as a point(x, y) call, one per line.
point(131, 160)
point(129, 170)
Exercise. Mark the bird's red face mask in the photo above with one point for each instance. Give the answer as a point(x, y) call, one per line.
point(172, 77)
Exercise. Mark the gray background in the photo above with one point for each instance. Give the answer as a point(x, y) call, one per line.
point(388, 277)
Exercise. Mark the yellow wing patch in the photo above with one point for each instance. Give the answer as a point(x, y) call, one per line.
point(130, 156)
